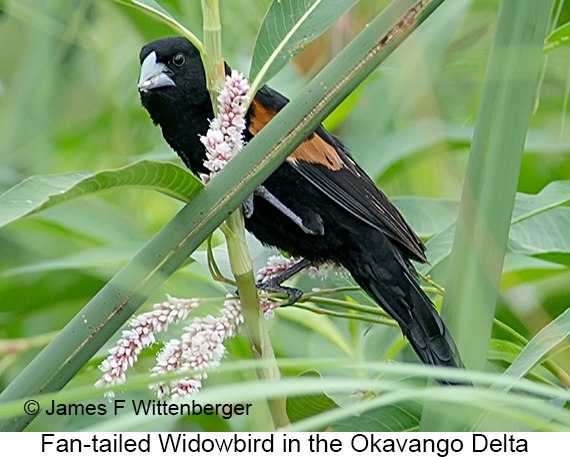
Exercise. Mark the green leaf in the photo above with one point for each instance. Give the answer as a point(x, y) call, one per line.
point(151, 6)
point(538, 348)
point(383, 125)
point(489, 191)
point(402, 417)
point(303, 406)
point(157, 12)
point(41, 192)
point(338, 116)
point(545, 233)
point(555, 194)
point(288, 27)
point(106, 256)
point(504, 353)
point(380, 378)
point(427, 216)
point(425, 134)
point(528, 236)
point(319, 324)
point(557, 39)
point(438, 248)
point(519, 269)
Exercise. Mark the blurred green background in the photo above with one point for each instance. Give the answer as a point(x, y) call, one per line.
point(68, 102)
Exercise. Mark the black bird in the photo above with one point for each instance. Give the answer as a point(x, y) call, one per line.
point(318, 205)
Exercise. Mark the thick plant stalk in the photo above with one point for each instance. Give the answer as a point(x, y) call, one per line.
point(259, 342)
point(234, 230)
point(212, 58)
point(487, 201)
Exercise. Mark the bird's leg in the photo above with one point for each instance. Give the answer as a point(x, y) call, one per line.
point(274, 284)
point(262, 192)
point(248, 207)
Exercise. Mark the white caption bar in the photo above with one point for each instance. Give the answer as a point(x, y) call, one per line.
point(283, 443)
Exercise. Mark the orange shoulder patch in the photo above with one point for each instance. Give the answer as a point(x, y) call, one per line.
point(313, 150)
point(316, 150)
point(259, 117)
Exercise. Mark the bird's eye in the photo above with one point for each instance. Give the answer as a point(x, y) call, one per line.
point(179, 59)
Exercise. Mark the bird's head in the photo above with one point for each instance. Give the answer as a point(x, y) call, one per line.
point(172, 87)
point(172, 78)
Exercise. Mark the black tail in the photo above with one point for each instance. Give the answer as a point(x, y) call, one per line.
point(394, 286)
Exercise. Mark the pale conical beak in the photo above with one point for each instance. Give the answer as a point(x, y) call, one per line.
point(154, 74)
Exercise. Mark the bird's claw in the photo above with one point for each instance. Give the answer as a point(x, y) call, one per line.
point(294, 294)
point(274, 286)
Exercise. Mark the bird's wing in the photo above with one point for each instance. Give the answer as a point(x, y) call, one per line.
point(324, 161)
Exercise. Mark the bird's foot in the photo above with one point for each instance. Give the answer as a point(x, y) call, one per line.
point(273, 285)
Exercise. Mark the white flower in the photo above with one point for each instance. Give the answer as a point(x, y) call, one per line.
point(267, 308)
point(141, 335)
point(201, 347)
point(275, 264)
point(224, 138)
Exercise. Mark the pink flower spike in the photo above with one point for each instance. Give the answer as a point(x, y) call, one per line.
point(141, 335)
point(224, 138)
point(201, 347)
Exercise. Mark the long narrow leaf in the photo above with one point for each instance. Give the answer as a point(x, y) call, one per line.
point(558, 39)
point(38, 193)
point(287, 28)
point(490, 185)
point(385, 375)
point(492, 175)
point(156, 11)
point(537, 348)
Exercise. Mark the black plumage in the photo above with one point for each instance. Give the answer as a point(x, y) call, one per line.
point(345, 218)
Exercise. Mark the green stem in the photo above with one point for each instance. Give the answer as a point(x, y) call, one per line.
point(376, 310)
point(213, 61)
point(260, 344)
point(353, 316)
point(215, 271)
point(234, 230)
point(322, 292)
point(438, 289)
